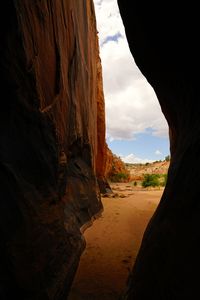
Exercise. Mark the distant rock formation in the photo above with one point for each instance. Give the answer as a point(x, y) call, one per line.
point(52, 149)
point(138, 170)
point(116, 169)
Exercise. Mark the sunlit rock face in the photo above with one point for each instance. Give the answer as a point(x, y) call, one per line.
point(112, 169)
point(102, 158)
point(163, 44)
point(52, 134)
point(116, 167)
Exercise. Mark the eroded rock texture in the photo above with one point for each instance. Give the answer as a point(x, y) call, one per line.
point(51, 109)
point(163, 41)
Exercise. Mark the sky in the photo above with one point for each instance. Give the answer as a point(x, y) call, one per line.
point(136, 129)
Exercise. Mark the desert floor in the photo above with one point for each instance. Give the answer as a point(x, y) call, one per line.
point(113, 242)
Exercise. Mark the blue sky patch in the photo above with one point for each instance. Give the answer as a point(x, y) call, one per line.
point(113, 38)
point(145, 146)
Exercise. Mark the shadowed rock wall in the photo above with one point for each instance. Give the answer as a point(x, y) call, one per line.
point(52, 106)
point(163, 41)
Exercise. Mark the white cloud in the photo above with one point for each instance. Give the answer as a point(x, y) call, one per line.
point(131, 104)
point(157, 152)
point(132, 159)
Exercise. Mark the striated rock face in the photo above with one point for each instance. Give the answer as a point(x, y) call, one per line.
point(163, 43)
point(101, 159)
point(52, 142)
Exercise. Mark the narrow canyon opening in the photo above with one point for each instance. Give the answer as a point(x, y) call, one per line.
point(54, 160)
point(134, 121)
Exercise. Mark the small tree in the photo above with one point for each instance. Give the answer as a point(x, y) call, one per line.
point(150, 180)
point(167, 158)
point(120, 177)
point(164, 180)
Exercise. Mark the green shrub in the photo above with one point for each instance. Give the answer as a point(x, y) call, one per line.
point(167, 158)
point(154, 180)
point(164, 181)
point(151, 180)
point(135, 183)
point(119, 177)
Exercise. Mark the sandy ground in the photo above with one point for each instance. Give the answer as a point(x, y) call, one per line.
point(113, 243)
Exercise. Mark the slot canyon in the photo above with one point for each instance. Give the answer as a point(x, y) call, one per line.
point(54, 157)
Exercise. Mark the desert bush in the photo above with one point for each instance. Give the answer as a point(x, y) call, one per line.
point(164, 180)
point(151, 180)
point(167, 158)
point(120, 177)
point(154, 180)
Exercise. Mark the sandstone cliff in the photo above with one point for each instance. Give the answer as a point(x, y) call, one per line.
point(115, 168)
point(52, 143)
point(101, 158)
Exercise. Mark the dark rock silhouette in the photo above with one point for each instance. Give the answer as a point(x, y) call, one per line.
point(52, 143)
point(163, 43)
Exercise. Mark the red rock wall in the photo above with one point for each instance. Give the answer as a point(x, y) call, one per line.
point(115, 166)
point(52, 134)
point(102, 153)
